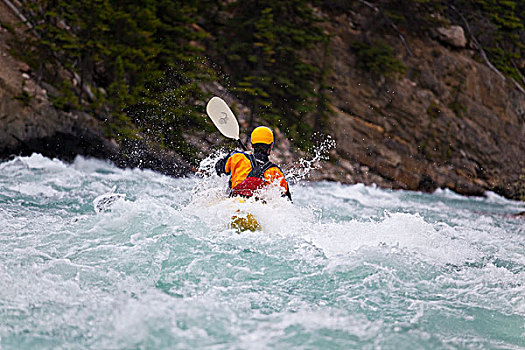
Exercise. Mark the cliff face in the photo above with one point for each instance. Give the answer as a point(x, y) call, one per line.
point(449, 121)
point(30, 123)
point(36, 126)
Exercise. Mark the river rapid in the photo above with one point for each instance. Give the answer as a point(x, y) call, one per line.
point(343, 267)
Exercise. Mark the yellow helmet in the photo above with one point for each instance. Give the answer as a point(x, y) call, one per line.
point(262, 134)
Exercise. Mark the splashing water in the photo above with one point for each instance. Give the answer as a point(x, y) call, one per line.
point(342, 267)
point(307, 164)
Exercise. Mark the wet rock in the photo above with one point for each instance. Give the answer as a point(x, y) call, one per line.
point(34, 125)
point(38, 127)
point(138, 154)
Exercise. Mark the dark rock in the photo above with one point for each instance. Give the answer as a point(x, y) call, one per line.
point(427, 183)
point(39, 127)
point(137, 154)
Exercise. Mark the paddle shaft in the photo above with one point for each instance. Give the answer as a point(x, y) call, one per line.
point(242, 145)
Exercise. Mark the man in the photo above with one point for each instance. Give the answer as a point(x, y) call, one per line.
point(251, 172)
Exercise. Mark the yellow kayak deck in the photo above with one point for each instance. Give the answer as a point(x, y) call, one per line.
point(244, 221)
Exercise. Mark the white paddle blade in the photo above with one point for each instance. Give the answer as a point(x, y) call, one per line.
point(223, 117)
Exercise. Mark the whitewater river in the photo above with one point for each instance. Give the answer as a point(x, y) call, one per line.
point(343, 267)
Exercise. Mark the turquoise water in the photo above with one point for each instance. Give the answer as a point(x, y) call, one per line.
point(343, 267)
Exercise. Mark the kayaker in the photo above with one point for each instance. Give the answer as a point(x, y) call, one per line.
point(251, 172)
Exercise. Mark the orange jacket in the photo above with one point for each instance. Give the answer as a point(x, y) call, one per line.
point(238, 165)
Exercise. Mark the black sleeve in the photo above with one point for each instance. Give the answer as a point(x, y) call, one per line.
point(288, 194)
point(220, 166)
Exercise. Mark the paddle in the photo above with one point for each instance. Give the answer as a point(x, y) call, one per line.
point(224, 119)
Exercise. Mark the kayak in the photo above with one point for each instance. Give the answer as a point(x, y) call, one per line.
point(242, 220)
point(237, 209)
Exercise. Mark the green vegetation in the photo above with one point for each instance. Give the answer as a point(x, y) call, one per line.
point(25, 98)
point(414, 15)
point(409, 16)
point(138, 58)
point(66, 100)
point(520, 184)
point(504, 14)
point(377, 58)
point(261, 48)
point(140, 66)
point(7, 27)
point(499, 26)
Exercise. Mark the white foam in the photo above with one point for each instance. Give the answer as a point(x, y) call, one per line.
point(90, 165)
point(38, 161)
point(162, 265)
point(398, 231)
point(32, 190)
point(448, 193)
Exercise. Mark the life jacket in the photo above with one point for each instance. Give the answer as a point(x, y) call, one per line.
point(255, 179)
